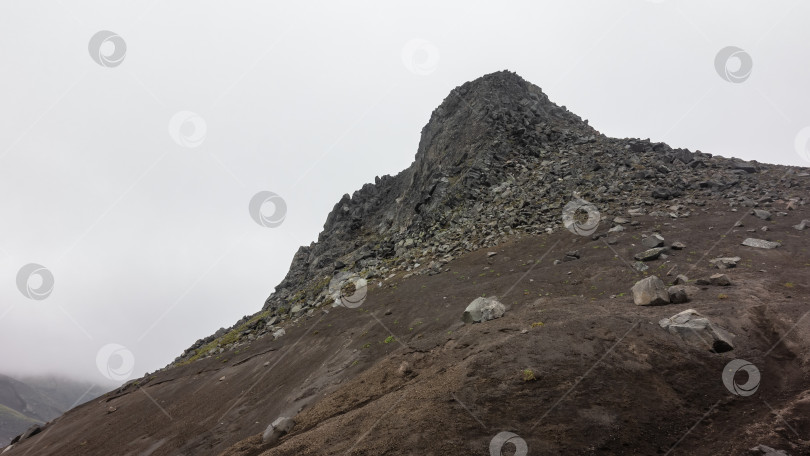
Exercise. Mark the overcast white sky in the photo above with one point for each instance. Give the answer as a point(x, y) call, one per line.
point(150, 242)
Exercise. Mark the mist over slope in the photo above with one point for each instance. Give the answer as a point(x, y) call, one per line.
point(36, 400)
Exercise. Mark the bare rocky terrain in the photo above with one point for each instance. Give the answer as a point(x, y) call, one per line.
point(512, 197)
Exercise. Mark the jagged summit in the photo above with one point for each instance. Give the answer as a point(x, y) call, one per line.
point(501, 92)
point(478, 126)
point(479, 108)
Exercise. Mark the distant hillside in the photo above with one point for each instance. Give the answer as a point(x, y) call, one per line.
point(12, 423)
point(36, 400)
point(65, 392)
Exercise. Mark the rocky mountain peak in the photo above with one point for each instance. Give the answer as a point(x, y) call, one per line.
point(497, 159)
point(499, 105)
point(478, 128)
point(484, 289)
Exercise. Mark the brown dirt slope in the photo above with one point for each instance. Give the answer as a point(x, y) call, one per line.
point(606, 378)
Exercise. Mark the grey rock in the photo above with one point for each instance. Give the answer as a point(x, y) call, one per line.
point(802, 225)
point(760, 243)
point(680, 279)
point(652, 241)
point(32, 431)
point(683, 155)
point(651, 254)
point(725, 262)
point(640, 266)
point(282, 425)
point(650, 291)
point(677, 294)
point(762, 214)
point(677, 245)
point(492, 311)
point(764, 450)
point(745, 166)
point(663, 193)
point(721, 280)
point(616, 229)
point(694, 327)
point(483, 309)
point(279, 333)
